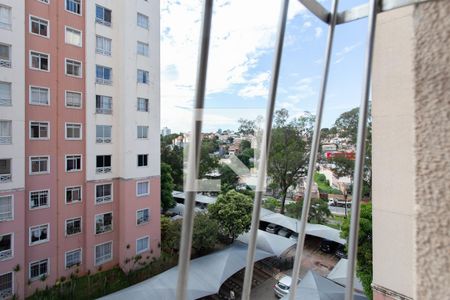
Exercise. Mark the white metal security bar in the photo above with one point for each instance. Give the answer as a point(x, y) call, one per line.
point(332, 18)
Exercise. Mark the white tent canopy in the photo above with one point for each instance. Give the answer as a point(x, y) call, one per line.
point(199, 197)
point(339, 275)
point(269, 242)
point(318, 230)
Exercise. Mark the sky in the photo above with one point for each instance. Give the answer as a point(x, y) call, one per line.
point(242, 44)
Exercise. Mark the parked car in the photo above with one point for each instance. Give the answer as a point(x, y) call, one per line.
point(273, 228)
point(340, 252)
point(281, 289)
point(327, 246)
point(284, 232)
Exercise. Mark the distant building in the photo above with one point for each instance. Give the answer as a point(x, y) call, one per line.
point(166, 131)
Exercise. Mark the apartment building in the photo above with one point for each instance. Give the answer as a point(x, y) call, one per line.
point(79, 138)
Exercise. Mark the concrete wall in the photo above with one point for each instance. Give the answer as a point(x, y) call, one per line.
point(411, 113)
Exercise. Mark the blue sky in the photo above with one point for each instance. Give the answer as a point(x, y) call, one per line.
point(241, 53)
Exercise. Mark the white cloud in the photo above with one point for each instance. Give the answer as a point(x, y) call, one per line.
point(318, 32)
point(307, 24)
point(340, 55)
point(242, 31)
point(256, 87)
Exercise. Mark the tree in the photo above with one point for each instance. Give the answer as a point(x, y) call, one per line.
point(246, 127)
point(245, 157)
point(173, 156)
point(288, 157)
point(245, 145)
point(228, 179)
point(318, 212)
point(208, 161)
point(167, 185)
point(271, 204)
point(233, 213)
point(205, 234)
point(364, 255)
point(170, 235)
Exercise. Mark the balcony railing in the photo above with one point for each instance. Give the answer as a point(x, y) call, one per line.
point(103, 22)
point(102, 110)
point(103, 228)
point(4, 25)
point(143, 220)
point(6, 293)
point(5, 140)
point(6, 254)
point(103, 81)
point(6, 216)
point(103, 140)
point(102, 170)
point(5, 101)
point(5, 63)
point(101, 199)
point(5, 178)
point(103, 52)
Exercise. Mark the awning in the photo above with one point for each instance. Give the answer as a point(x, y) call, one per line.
point(268, 242)
point(339, 275)
point(199, 197)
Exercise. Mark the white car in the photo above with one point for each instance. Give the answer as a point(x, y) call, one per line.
point(281, 289)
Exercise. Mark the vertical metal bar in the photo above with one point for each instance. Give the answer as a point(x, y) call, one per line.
point(360, 152)
point(264, 152)
point(313, 155)
point(194, 153)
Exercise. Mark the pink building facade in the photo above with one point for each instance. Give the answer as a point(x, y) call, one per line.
point(79, 139)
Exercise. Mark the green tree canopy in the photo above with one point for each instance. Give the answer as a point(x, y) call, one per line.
point(167, 185)
point(233, 213)
point(205, 234)
point(271, 204)
point(170, 235)
point(228, 179)
point(318, 212)
point(364, 255)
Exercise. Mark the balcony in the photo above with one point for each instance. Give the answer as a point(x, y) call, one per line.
point(101, 199)
point(103, 170)
point(6, 254)
point(5, 63)
point(103, 110)
point(103, 140)
point(5, 178)
point(103, 52)
point(6, 293)
point(102, 228)
point(103, 22)
point(103, 81)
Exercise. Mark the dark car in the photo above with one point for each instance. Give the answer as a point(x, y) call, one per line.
point(328, 246)
point(273, 228)
point(340, 252)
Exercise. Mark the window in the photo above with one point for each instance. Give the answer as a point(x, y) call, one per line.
point(39, 61)
point(102, 15)
point(73, 131)
point(142, 48)
point(103, 253)
point(142, 188)
point(103, 164)
point(6, 285)
point(38, 269)
point(142, 216)
point(6, 208)
point(142, 160)
point(103, 104)
point(39, 95)
point(5, 55)
point(103, 223)
point(142, 132)
point(73, 68)
point(73, 37)
point(142, 244)
point(73, 99)
point(39, 199)
point(103, 75)
point(142, 104)
point(73, 163)
point(103, 45)
point(73, 226)
point(5, 94)
point(74, 6)
point(5, 170)
point(39, 164)
point(39, 130)
point(44, 1)
point(5, 132)
point(73, 258)
point(39, 26)
point(73, 194)
point(142, 76)
point(5, 17)
point(103, 133)
point(6, 246)
point(39, 234)
point(142, 21)
point(103, 193)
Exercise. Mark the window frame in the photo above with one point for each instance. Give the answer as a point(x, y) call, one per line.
point(38, 207)
point(148, 244)
point(147, 104)
point(103, 215)
point(145, 74)
point(137, 218)
point(12, 283)
point(110, 256)
point(73, 92)
point(102, 51)
point(103, 139)
point(31, 87)
point(11, 247)
point(39, 123)
point(30, 243)
point(146, 47)
point(9, 88)
point(40, 275)
point(73, 219)
point(80, 187)
point(142, 126)
point(102, 20)
point(38, 19)
point(73, 60)
point(102, 169)
point(11, 196)
point(102, 80)
point(73, 29)
point(30, 63)
point(103, 110)
point(39, 156)
point(141, 16)
point(137, 188)
point(102, 197)
point(72, 12)
point(7, 26)
point(145, 159)
point(67, 124)
point(71, 251)
point(70, 156)
point(7, 139)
